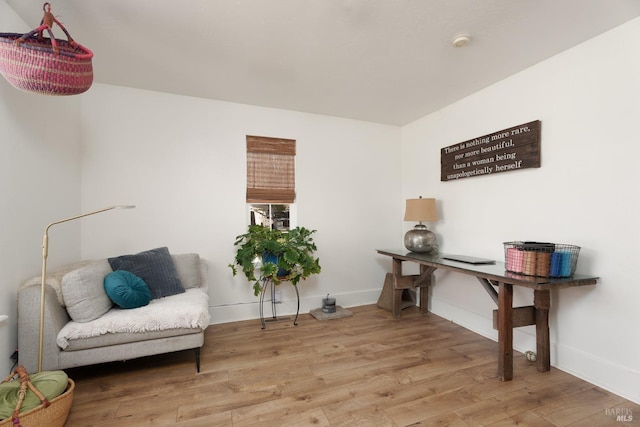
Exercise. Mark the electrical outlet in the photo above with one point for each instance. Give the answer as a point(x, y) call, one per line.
point(276, 297)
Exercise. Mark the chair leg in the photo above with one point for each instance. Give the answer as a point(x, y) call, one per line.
point(197, 351)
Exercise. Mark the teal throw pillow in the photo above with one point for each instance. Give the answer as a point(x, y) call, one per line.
point(126, 289)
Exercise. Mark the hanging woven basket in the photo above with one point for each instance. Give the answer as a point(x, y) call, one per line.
point(32, 63)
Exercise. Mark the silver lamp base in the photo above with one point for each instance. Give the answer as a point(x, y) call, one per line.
point(420, 239)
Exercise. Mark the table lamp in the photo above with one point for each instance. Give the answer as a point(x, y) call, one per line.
point(420, 238)
point(45, 253)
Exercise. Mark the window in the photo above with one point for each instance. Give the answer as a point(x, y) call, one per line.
point(271, 181)
point(268, 215)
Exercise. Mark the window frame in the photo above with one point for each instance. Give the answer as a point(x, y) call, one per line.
point(271, 178)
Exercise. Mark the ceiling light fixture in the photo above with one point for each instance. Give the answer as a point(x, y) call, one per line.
point(461, 40)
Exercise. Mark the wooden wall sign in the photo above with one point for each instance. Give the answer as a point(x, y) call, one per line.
point(507, 150)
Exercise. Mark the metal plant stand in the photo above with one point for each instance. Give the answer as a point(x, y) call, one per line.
point(268, 283)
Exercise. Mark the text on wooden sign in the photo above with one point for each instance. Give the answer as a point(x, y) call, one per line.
point(507, 150)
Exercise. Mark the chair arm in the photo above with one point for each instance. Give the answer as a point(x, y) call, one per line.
point(55, 317)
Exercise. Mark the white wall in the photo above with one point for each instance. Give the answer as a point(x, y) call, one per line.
point(585, 193)
point(39, 183)
point(182, 161)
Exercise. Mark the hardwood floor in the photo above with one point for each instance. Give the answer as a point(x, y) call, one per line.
point(366, 370)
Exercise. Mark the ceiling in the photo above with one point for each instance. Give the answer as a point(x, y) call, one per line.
point(385, 61)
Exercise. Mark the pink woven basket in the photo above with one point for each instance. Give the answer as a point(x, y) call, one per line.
point(33, 66)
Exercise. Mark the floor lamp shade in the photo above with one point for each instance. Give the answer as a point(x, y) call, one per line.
point(420, 238)
point(45, 253)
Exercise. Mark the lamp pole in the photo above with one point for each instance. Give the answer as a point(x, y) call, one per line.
point(45, 253)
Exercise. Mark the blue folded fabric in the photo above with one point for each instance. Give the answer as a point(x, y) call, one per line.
point(561, 264)
point(556, 264)
point(566, 264)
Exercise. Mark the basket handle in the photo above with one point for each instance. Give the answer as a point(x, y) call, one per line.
point(47, 24)
point(25, 382)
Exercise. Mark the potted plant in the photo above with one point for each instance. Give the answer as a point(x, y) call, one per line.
point(285, 255)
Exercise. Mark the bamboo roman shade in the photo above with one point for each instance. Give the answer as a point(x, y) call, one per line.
point(271, 176)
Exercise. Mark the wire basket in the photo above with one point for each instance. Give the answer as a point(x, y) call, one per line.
point(541, 259)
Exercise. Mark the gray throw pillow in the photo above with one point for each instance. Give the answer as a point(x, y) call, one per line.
point(188, 268)
point(155, 267)
point(84, 293)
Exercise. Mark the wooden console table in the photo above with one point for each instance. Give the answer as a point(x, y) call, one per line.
point(491, 276)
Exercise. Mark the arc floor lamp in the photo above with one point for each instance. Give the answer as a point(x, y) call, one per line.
point(45, 253)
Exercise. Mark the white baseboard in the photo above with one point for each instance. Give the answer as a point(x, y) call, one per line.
point(251, 310)
point(615, 378)
point(610, 376)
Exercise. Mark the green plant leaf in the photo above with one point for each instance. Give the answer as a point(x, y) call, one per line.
point(294, 250)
